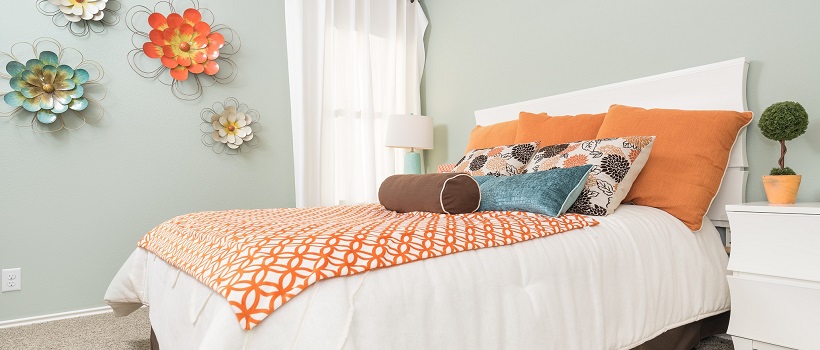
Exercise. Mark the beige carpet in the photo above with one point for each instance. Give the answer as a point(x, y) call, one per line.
point(103, 332)
point(106, 332)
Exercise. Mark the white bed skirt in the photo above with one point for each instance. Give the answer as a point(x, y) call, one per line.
point(612, 286)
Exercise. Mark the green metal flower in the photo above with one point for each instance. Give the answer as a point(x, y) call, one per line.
point(45, 87)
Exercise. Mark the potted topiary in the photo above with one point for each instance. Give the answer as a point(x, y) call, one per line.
point(783, 121)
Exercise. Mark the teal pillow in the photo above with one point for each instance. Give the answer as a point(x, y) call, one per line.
point(483, 179)
point(548, 192)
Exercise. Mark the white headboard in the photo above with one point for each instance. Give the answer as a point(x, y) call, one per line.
point(717, 86)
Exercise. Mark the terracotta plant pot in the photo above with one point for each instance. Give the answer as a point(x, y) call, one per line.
point(781, 189)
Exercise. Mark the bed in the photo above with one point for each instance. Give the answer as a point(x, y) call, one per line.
point(638, 279)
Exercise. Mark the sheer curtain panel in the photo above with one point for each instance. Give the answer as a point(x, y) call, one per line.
point(351, 64)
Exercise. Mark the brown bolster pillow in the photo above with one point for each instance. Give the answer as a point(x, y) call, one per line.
point(447, 193)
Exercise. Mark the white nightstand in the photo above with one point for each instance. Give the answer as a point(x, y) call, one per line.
point(775, 280)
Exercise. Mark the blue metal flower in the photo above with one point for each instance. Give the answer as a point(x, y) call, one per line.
point(45, 87)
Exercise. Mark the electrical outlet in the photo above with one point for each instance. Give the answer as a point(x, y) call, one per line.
point(12, 280)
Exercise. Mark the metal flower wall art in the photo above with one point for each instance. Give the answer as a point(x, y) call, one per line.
point(81, 17)
point(52, 88)
point(182, 49)
point(230, 127)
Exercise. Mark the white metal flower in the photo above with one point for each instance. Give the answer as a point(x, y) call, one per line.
point(231, 127)
point(77, 10)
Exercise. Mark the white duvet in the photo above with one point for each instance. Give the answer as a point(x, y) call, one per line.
point(611, 286)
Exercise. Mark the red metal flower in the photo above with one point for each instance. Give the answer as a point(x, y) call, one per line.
point(184, 43)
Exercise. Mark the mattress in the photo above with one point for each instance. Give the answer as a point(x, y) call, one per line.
point(616, 285)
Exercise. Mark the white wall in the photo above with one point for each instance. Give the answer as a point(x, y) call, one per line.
point(74, 204)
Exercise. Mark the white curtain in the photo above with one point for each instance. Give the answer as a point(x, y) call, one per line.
point(351, 64)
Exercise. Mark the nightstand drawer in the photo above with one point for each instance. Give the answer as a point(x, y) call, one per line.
point(783, 245)
point(775, 312)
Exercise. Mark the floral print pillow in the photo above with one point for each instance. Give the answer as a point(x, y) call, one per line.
point(616, 164)
point(496, 161)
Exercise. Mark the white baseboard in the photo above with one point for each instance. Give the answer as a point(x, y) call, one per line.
point(54, 317)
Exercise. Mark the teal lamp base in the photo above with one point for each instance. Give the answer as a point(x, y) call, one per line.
point(412, 163)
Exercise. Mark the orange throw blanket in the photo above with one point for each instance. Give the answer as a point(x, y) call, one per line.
point(259, 259)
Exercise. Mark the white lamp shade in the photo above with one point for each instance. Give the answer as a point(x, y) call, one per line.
point(409, 131)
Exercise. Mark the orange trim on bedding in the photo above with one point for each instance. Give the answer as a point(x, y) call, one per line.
point(446, 168)
point(260, 259)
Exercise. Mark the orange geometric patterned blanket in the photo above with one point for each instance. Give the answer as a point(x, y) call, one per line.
point(259, 259)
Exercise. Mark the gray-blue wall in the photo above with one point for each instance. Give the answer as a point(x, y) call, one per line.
point(484, 53)
point(74, 204)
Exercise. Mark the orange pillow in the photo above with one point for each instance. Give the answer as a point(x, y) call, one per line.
point(689, 157)
point(489, 136)
point(551, 130)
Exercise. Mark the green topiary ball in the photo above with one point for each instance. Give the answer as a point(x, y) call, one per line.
point(784, 121)
point(784, 171)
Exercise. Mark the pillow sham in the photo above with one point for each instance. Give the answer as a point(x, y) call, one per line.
point(689, 157)
point(435, 193)
point(549, 192)
point(616, 163)
point(498, 161)
point(498, 134)
point(551, 130)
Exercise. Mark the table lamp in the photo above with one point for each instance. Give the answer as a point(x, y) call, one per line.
point(413, 132)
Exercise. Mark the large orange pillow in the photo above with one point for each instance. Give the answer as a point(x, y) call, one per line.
point(689, 157)
point(551, 130)
point(489, 136)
